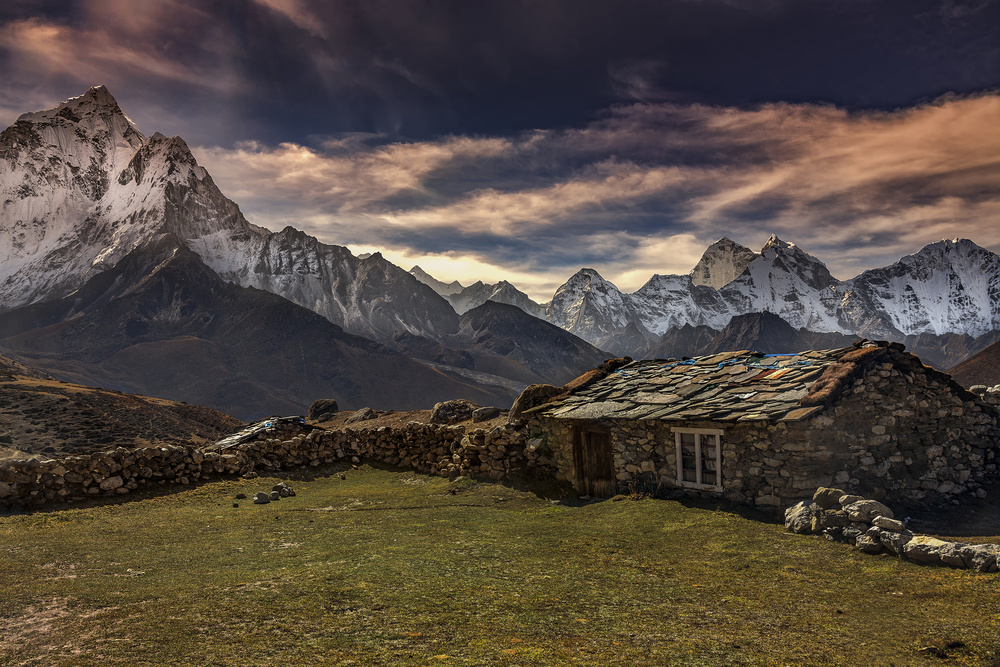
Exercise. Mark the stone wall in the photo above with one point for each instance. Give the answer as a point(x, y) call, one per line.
point(902, 432)
point(493, 454)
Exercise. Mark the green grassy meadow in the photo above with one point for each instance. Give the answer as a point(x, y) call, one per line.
point(390, 567)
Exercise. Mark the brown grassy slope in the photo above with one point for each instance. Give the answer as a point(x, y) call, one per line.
point(982, 368)
point(40, 415)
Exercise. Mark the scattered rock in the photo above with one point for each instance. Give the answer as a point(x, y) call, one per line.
point(866, 510)
point(888, 523)
point(261, 498)
point(891, 540)
point(322, 409)
point(982, 557)
point(798, 517)
point(275, 495)
point(241, 496)
point(451, 412)
point(485, 414)
point(868, 545)
point(924, 549)
point(823, 519)
point(827, 498)
point(848, 499)
point(364, 414)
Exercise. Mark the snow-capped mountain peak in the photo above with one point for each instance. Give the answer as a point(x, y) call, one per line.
point(442, 288)
point(948, 286)
point(722, 263)
point(82, 188)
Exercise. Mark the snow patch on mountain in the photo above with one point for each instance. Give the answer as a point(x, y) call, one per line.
point(441, 287)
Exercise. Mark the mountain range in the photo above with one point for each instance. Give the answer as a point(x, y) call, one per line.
point(97, 219)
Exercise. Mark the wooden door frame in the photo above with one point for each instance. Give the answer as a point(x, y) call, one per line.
point(583, 484)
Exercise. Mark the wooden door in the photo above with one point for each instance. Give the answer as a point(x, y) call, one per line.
point(595, 474)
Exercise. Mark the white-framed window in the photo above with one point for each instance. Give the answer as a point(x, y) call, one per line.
point(699, 458)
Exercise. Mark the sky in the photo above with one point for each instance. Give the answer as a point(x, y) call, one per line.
point(525, 139)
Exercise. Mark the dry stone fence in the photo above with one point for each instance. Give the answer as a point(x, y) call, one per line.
point(439, 449)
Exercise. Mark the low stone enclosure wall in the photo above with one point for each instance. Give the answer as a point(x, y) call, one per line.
point(495, 454)
point(870, 526)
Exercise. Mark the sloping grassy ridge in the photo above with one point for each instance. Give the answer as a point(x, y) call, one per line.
point(388, 567)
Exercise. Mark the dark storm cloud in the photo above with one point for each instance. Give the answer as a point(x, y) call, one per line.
point(520, 139)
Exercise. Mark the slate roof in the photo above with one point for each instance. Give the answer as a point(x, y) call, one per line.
point(727, 387)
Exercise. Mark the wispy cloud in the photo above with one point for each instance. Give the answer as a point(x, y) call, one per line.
point(298, 13)
point(117, 46)
point(644, 189)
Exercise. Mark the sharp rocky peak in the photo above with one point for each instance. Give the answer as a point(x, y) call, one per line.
point(96, 103)
point(774, 242)
point(722, 262)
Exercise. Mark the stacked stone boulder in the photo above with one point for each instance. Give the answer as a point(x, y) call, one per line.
point(871, 527)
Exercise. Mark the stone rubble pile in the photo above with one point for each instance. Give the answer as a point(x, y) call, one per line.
point(871, 527)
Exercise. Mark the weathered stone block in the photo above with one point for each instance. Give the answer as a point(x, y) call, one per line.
point(866, 510)
point(798, 517)
point(888, 523)
point(924, 549)
point(828, 498)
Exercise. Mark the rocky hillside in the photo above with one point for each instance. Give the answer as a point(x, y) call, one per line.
point(983, 368)
point(43, 416)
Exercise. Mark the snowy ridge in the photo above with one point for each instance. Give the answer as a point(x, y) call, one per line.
point(442, 288)
point(947, 287)
point(82, 188)
point(479, 293)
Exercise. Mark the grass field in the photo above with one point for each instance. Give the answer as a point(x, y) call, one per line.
point(388, 567)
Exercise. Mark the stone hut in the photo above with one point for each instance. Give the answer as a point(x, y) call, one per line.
point(768, 429)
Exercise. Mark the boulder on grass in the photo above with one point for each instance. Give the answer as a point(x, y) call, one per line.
point(364, 414)
point(798, 517)
point(866, 510)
